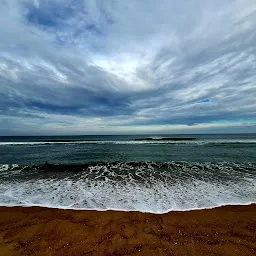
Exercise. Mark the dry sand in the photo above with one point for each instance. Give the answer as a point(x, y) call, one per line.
point(229, 230)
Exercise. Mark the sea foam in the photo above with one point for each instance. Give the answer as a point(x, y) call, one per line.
point(145, 187)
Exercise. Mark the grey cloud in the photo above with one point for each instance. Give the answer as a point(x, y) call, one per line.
point(116, 65)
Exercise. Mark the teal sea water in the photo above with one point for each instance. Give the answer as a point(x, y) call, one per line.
point(123, 173)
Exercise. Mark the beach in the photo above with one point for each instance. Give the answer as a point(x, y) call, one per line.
point(227, 230)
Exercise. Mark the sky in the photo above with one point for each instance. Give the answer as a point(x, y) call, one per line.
point(127, 67)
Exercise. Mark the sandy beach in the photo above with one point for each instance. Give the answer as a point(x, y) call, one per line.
point(228, 230)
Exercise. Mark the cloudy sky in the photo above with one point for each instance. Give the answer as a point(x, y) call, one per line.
point(137, 66)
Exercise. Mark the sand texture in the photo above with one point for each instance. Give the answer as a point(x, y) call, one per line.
point(229, 230)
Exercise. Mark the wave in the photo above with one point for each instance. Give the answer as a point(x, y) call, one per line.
point(130, 142)
point(133, 186)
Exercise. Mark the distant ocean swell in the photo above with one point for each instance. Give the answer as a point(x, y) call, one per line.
point(130, 142)
point(141, 186)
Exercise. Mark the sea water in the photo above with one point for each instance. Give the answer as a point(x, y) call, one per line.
point(122, 173)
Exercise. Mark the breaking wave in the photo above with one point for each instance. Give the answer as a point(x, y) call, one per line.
point(129, 186)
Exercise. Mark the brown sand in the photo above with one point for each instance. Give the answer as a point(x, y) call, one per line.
point(229, 230)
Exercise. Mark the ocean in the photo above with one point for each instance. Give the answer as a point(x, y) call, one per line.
point(124, 173)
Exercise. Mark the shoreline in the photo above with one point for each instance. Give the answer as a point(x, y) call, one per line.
point(225, 230)
point(124, 210)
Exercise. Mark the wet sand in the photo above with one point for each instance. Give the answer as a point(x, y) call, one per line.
point(229, 230)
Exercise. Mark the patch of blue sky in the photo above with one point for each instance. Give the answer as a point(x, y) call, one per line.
point(204, 101)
